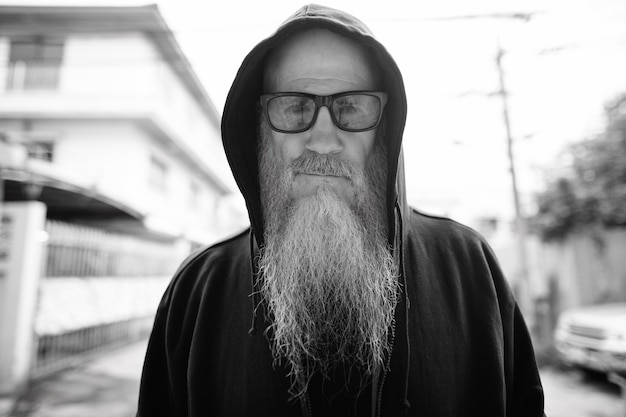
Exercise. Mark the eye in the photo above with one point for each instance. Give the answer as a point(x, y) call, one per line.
point(347, 105)
point(290, 112)
point(297, 105)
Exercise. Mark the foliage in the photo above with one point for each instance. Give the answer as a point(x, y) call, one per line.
point(592, 190)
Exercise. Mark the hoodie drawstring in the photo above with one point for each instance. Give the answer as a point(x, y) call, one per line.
point(255, 292)
point(407, 305)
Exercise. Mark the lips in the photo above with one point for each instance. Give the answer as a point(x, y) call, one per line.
point(321, 174)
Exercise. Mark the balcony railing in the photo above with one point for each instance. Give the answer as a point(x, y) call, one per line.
point(35, 75)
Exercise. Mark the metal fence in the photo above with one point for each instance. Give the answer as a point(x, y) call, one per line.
point(79, 251)
point(59, 351)
point(78, 316)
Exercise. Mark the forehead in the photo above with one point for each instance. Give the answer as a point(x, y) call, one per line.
point(321, 62)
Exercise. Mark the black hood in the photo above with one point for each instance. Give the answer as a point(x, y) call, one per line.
point(240, 118)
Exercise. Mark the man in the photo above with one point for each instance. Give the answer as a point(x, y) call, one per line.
point(355, 304)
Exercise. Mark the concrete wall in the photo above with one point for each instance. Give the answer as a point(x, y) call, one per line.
point(587, 268)
point(21, 251)
point(110, 64)
point(72, 303)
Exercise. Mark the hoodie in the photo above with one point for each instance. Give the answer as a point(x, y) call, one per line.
point(460, 346)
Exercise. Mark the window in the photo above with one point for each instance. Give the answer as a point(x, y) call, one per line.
point(158, 173)
point(40, 150)
point(35, 63)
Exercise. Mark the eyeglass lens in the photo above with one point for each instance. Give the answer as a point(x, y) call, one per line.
point(350, 112)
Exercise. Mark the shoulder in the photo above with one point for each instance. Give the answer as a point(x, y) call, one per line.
point(213, 268)
point(453, 251)
point(442, 230)
point(451, 247)
point(226, 251)
point(210, 292)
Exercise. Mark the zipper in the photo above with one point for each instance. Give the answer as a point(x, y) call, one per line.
point(305, 405)
point(384, 376)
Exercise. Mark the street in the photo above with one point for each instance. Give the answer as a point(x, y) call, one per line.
point(574, 393)
point(108, 386)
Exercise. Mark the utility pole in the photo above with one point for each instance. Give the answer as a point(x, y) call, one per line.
point(523, 289)
point(4, 149)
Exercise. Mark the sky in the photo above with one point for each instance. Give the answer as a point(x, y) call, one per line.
point(560, 65)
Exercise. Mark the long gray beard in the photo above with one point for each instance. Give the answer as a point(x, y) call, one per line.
point(328, 276)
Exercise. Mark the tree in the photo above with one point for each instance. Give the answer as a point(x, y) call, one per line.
point(592, 191)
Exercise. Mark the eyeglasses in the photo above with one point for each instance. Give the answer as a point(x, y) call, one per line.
point(352, 111)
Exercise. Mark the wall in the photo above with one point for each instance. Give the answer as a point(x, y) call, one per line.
point(101, 65)
point(586, 268)
point(4, 62)
point(21, 227)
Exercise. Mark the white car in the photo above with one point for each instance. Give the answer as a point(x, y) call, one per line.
point(593, 337)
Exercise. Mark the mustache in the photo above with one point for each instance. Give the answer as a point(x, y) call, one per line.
point(323, 165)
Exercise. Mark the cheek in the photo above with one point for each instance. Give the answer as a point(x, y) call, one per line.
point(287, 147)
point(363, 148)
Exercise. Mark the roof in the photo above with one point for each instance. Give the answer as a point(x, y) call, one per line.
point(56, 20)
point(63, 200)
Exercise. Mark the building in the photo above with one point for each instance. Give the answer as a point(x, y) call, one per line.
point(103, 119)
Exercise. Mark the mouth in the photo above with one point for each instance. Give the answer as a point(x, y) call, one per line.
point(323, 174)
point(319, 174)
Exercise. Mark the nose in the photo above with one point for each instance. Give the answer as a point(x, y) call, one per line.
point(323, 137)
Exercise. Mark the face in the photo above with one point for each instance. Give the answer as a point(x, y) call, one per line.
point(322, 63)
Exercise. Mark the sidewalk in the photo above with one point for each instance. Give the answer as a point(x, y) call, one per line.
point(105, 386)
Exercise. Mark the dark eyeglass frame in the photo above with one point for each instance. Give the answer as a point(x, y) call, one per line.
point(326, 101)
